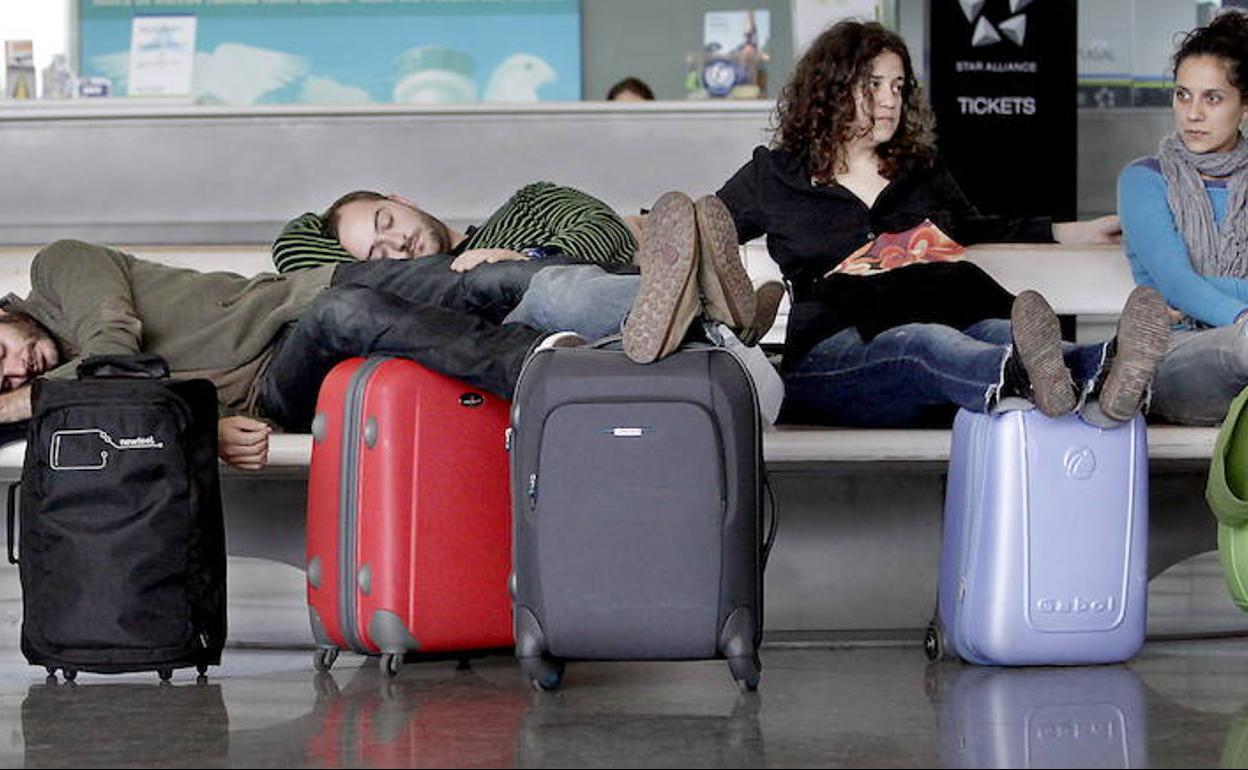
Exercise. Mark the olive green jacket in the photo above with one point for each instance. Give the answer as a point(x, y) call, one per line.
point(220, 326)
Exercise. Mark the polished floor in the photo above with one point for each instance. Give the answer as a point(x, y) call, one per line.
point(1181, 703)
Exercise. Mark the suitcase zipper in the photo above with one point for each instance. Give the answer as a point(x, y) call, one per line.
point(348, 502)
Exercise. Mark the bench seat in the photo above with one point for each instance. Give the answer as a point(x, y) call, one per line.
point(860, 509)
point(782, 446)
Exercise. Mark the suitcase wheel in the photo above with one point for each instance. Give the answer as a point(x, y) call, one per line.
point(70, 674)
point(935, 645)
point(165, 674)
point(324, 657)
point(391, 662)
point(748, 671)
point(543, 675)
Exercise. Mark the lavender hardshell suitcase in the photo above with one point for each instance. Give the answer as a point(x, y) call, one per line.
point(636, 511)
point(1044, 559)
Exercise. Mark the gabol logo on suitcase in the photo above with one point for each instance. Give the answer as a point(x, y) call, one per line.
point(1075, 604)
point(1080, 463)
point(86, 449)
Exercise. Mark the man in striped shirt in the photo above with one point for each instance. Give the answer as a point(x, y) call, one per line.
point(539, 220)
point(570, 248)
point(536, 240)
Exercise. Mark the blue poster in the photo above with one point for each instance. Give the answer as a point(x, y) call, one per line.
point(356, 51)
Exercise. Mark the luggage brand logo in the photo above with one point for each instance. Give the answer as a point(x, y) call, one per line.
point(87, 449)
point(1075, 604)
point(1080, 463)
point(141, 442)
point(623, 432)
point(1075, 730)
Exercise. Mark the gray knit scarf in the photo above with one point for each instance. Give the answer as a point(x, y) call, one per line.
point(1214, 251)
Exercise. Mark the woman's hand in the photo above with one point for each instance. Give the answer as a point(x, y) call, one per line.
point(243, 442)
point(470, 259)
point(1106, 229)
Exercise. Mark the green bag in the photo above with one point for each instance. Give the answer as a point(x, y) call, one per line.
point(1227, 495)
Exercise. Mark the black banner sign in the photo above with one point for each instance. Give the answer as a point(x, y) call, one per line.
point(1002, 83)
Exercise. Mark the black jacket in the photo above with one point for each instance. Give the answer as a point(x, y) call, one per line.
point(812, 228)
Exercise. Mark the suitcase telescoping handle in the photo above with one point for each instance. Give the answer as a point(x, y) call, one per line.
point(13, 518)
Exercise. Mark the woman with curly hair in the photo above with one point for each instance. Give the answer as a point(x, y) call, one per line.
point(889, 326)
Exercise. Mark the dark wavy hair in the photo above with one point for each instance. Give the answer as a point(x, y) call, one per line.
point(1226, 37)
point(815, 113)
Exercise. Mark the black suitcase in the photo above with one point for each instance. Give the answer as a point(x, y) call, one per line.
point(636, 511)
point(122, 541)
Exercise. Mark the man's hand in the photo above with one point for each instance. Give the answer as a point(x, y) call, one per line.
point(15, 405)
point(473, 257)
point(243, 442)
point(1107, 229)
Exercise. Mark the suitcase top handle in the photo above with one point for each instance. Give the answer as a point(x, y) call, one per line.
point(140, 367)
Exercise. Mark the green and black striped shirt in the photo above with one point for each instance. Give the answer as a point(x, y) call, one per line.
point(539, 215)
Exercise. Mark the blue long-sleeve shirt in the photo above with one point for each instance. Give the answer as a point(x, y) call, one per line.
point(1158, 254)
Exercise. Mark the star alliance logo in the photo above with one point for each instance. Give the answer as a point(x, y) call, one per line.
point(1014, 28)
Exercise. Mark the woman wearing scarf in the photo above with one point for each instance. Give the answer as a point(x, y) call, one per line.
point(1185, 222)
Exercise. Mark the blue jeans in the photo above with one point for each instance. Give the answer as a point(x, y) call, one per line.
point(1202, 372)
point(580, 298)
point(915, 374)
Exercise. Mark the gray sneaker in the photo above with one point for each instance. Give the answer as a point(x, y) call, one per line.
point(726, 287)
point(667, 299)
point(1143, 338)
point(1038, 345)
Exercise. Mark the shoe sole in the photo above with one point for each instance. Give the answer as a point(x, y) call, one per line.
point(726, 287)
point(1038, 343)
point(767, 300)
point(667, 299)
point(1143, 338)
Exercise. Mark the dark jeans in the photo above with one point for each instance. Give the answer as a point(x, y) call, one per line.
point(415, 309)
point(491, 291)
point(915, 374)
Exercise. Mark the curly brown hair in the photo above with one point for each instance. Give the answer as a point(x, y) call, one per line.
point(816, 110)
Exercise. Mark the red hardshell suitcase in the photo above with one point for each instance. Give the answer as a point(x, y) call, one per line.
point(409, 518)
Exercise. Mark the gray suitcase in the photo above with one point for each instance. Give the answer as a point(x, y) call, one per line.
point(638, 528)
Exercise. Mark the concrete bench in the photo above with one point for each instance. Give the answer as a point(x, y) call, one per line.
point(860, 509)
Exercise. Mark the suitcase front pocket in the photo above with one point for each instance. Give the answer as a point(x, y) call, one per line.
point(628, 503)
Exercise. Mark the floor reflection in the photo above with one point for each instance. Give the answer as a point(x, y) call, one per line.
point(578, 729)
point(113, 724)
point(1039, 717)
point(373, 720)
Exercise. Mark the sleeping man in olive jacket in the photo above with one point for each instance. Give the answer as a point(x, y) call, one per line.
point(265, 342)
